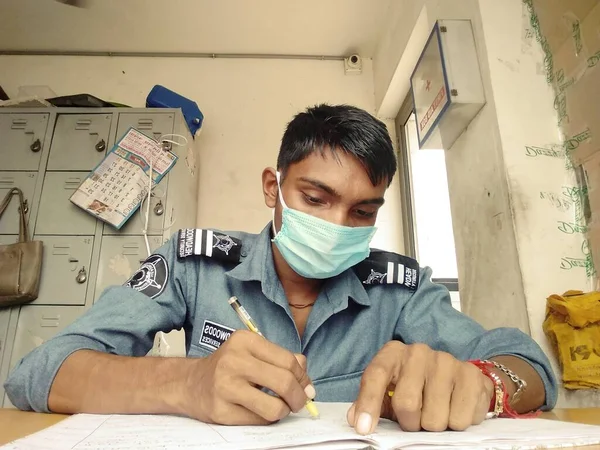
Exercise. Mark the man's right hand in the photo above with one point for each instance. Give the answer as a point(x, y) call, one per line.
point(225, 388)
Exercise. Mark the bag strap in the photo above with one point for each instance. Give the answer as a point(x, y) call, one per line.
point(23, 228)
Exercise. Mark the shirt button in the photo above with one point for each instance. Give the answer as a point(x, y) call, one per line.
point(243, 254)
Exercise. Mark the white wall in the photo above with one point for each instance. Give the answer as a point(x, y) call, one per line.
point(509, 249)
point(246, 103)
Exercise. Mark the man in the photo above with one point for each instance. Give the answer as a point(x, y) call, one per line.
point(340, 323)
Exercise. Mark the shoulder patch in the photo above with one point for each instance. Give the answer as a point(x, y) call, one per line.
point(388, 268)
point(212, 244)
point(152, 276)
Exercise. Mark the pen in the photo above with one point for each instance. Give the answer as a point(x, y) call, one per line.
point(251, 325)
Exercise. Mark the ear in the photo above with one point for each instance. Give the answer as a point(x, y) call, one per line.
point(270, 189)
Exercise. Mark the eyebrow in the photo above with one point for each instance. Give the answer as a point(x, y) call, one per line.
point(319, 185)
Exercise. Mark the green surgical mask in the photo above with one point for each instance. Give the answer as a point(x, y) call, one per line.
point(316, 248)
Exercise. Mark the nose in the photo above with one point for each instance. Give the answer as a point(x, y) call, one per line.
point(339, 216)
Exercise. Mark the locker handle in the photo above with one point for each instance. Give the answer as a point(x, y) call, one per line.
point(81, 276)
point(36, 146)
point(101, 146)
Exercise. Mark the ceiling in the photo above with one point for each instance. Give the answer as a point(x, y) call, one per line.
point(305, 27)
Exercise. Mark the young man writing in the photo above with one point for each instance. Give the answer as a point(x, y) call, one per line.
point(340, 322)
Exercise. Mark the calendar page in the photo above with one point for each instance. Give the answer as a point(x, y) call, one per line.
point(113, 191)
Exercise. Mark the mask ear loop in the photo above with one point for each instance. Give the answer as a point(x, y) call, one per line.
point(165, 138)
point(280, 195)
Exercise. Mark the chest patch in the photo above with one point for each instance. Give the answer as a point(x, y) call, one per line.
point(214, 334)
point(151, 278)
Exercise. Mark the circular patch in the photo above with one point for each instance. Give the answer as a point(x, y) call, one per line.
point(151, 278)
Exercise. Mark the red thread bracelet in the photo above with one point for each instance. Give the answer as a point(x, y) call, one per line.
point(503, 410)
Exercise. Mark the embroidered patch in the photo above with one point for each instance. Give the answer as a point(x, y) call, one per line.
point(208, 243)
point(388, 268)
point(375, 278)
point(152, 277)
point(214, 334)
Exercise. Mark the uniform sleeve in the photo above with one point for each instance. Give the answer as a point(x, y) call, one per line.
point(429, 318)
point(123, 321)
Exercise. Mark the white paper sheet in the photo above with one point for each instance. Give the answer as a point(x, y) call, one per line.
point(330, 432)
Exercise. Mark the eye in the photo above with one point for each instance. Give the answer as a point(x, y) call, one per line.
point(365, 214)
point(312, 200)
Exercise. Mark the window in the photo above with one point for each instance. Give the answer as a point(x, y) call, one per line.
point(427, 218)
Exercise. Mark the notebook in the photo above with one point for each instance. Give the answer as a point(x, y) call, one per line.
point(298, 431)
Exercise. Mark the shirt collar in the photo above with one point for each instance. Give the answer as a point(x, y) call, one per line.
point(257, 265)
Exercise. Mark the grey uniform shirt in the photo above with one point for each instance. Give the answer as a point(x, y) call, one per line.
point(187, 284)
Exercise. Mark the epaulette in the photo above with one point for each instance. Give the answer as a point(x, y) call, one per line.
point(388, 268)
point(212, 244)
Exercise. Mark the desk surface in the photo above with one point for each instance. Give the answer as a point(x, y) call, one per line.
point(17, 424)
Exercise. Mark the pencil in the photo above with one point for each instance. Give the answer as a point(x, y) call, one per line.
point(251, 325)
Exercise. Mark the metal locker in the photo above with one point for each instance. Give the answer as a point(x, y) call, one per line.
point(36, 325)
point(151, 124)
point(120, 257)
point(159, 214)
point(57, 215)
point(7, 239)
point(4, 319)
point(65, 270)
point(80, 141)
point(9, 223)
point(22, 140)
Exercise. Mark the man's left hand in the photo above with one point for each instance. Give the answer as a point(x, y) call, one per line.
point(432, 391)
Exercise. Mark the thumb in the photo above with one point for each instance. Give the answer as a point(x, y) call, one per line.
point(306, 382)
point(301, 360)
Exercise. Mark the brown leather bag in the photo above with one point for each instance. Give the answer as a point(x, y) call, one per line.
point(20, 263)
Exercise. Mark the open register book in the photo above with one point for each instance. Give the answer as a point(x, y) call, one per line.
point(112, 432)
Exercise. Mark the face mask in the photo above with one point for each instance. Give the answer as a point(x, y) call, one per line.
point(315, 248)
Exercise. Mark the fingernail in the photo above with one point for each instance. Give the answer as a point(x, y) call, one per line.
point(350, 415)
point(363, 425)
point(310, 391)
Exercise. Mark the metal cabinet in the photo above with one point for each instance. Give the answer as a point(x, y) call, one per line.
point(9, 223)
point(119, 259)
point(156, 214)
point(149, 123)
point(57, 215)
point(4, 320)
point(21, 140)
point(36, 325)
point(79, 142)
point(67, 272)
point(82, 256)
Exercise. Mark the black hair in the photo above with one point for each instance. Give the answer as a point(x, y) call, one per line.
point(339, 128)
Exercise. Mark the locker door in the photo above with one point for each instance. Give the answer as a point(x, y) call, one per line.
point(36, 325)
point(57, 215)
point(9, 223)
point(80, 141)
point(22, 140)
point(153, 125)
point(156, 218)
point(4, 317)
point(65, 270)
point(120, 257)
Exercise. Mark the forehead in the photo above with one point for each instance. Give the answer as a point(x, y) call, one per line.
point(342, 172)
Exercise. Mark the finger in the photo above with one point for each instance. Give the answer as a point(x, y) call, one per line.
point(407, 401)
point(465, 404)
point(301, 360)
point(377, 376)
point(485, 398)
point(438, 392)
point(281, 381)
point(226, 413)
point(268, 407)
point(277, 356)
point(350, 416)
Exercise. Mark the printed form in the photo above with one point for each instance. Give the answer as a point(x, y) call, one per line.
point(330, 432)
